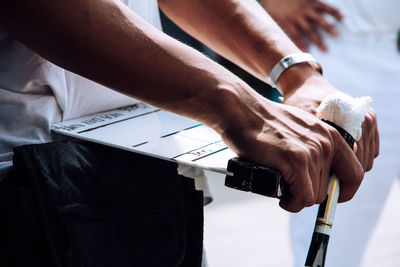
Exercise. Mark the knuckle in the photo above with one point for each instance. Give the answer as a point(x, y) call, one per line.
point(336, 137)
point(298, 156)
point(370, 165)
point(369, 121)
point(359, 176)
point(345, 198)
point(315, 152)
point(307, 200)
point(289, 205)
point(349, 194)
point(360, 147)
point(334, 133)
point(296, 209)
point(326, 147)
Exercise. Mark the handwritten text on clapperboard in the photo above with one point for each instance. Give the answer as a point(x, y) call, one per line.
point(105, 118)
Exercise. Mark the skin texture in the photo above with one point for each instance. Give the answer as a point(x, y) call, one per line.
point(105, 41)
point(302, 20)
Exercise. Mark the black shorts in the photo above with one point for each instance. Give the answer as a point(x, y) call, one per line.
point(84, 204)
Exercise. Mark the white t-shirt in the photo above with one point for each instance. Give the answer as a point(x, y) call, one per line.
point(34, 93)
point(369, 16)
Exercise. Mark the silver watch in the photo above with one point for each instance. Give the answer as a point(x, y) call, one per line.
point(289, 61)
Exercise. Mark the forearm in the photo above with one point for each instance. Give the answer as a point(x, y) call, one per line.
point(106, 42)
point(124, 53)
point(240, 30)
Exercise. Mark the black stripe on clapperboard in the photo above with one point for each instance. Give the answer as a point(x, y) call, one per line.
point(191, 127)
point(169, 134)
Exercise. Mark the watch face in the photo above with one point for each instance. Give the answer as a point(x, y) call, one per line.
point(287, 62)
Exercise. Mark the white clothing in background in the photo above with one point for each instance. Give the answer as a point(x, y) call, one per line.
point(369, 16)
point(363, 60)
point(34, 93)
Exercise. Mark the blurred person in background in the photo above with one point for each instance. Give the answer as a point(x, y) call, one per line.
point(357, 43)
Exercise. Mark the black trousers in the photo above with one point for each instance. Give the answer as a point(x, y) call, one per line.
point(84, 204)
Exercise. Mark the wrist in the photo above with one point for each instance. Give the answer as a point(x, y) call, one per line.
point(294, 77)
point(235, 108)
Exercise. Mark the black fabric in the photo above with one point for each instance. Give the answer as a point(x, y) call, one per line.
point(84, 204)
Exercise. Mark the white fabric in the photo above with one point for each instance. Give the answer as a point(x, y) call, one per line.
point(363, 60)
point(369, 16)
point(34, 92)
point(345, 111)
point(200, 180)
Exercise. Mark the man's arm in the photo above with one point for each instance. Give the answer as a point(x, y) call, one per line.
point(105, 41)
point(239, 30)
point(244, 33)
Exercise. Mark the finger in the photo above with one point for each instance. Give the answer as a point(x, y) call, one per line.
point(325, 8)
point(301, 193)
point(323, 185)
point(374, 140)
point(368, 129)
point(364, 147)
point(312, 34)
point(317, 173)
point(360, 151)
point(377, 142)
point(347, 167)
point(368, 146)
point(315, 176)
point(295, 34)
point(372, 113)
point(320, 21)
point(371, 154)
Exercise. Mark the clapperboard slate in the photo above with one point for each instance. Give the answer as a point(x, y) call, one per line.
point(147, 130)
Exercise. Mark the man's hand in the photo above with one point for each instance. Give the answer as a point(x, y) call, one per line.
point(306, 92)
point(367, 148)
point(303, 148)
point(302, 19)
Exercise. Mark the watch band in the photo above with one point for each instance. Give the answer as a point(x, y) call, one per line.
point(289, 61)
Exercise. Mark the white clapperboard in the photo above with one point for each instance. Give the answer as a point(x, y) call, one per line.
point(147, 130)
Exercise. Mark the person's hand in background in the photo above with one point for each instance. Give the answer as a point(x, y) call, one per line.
point(302, 20)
